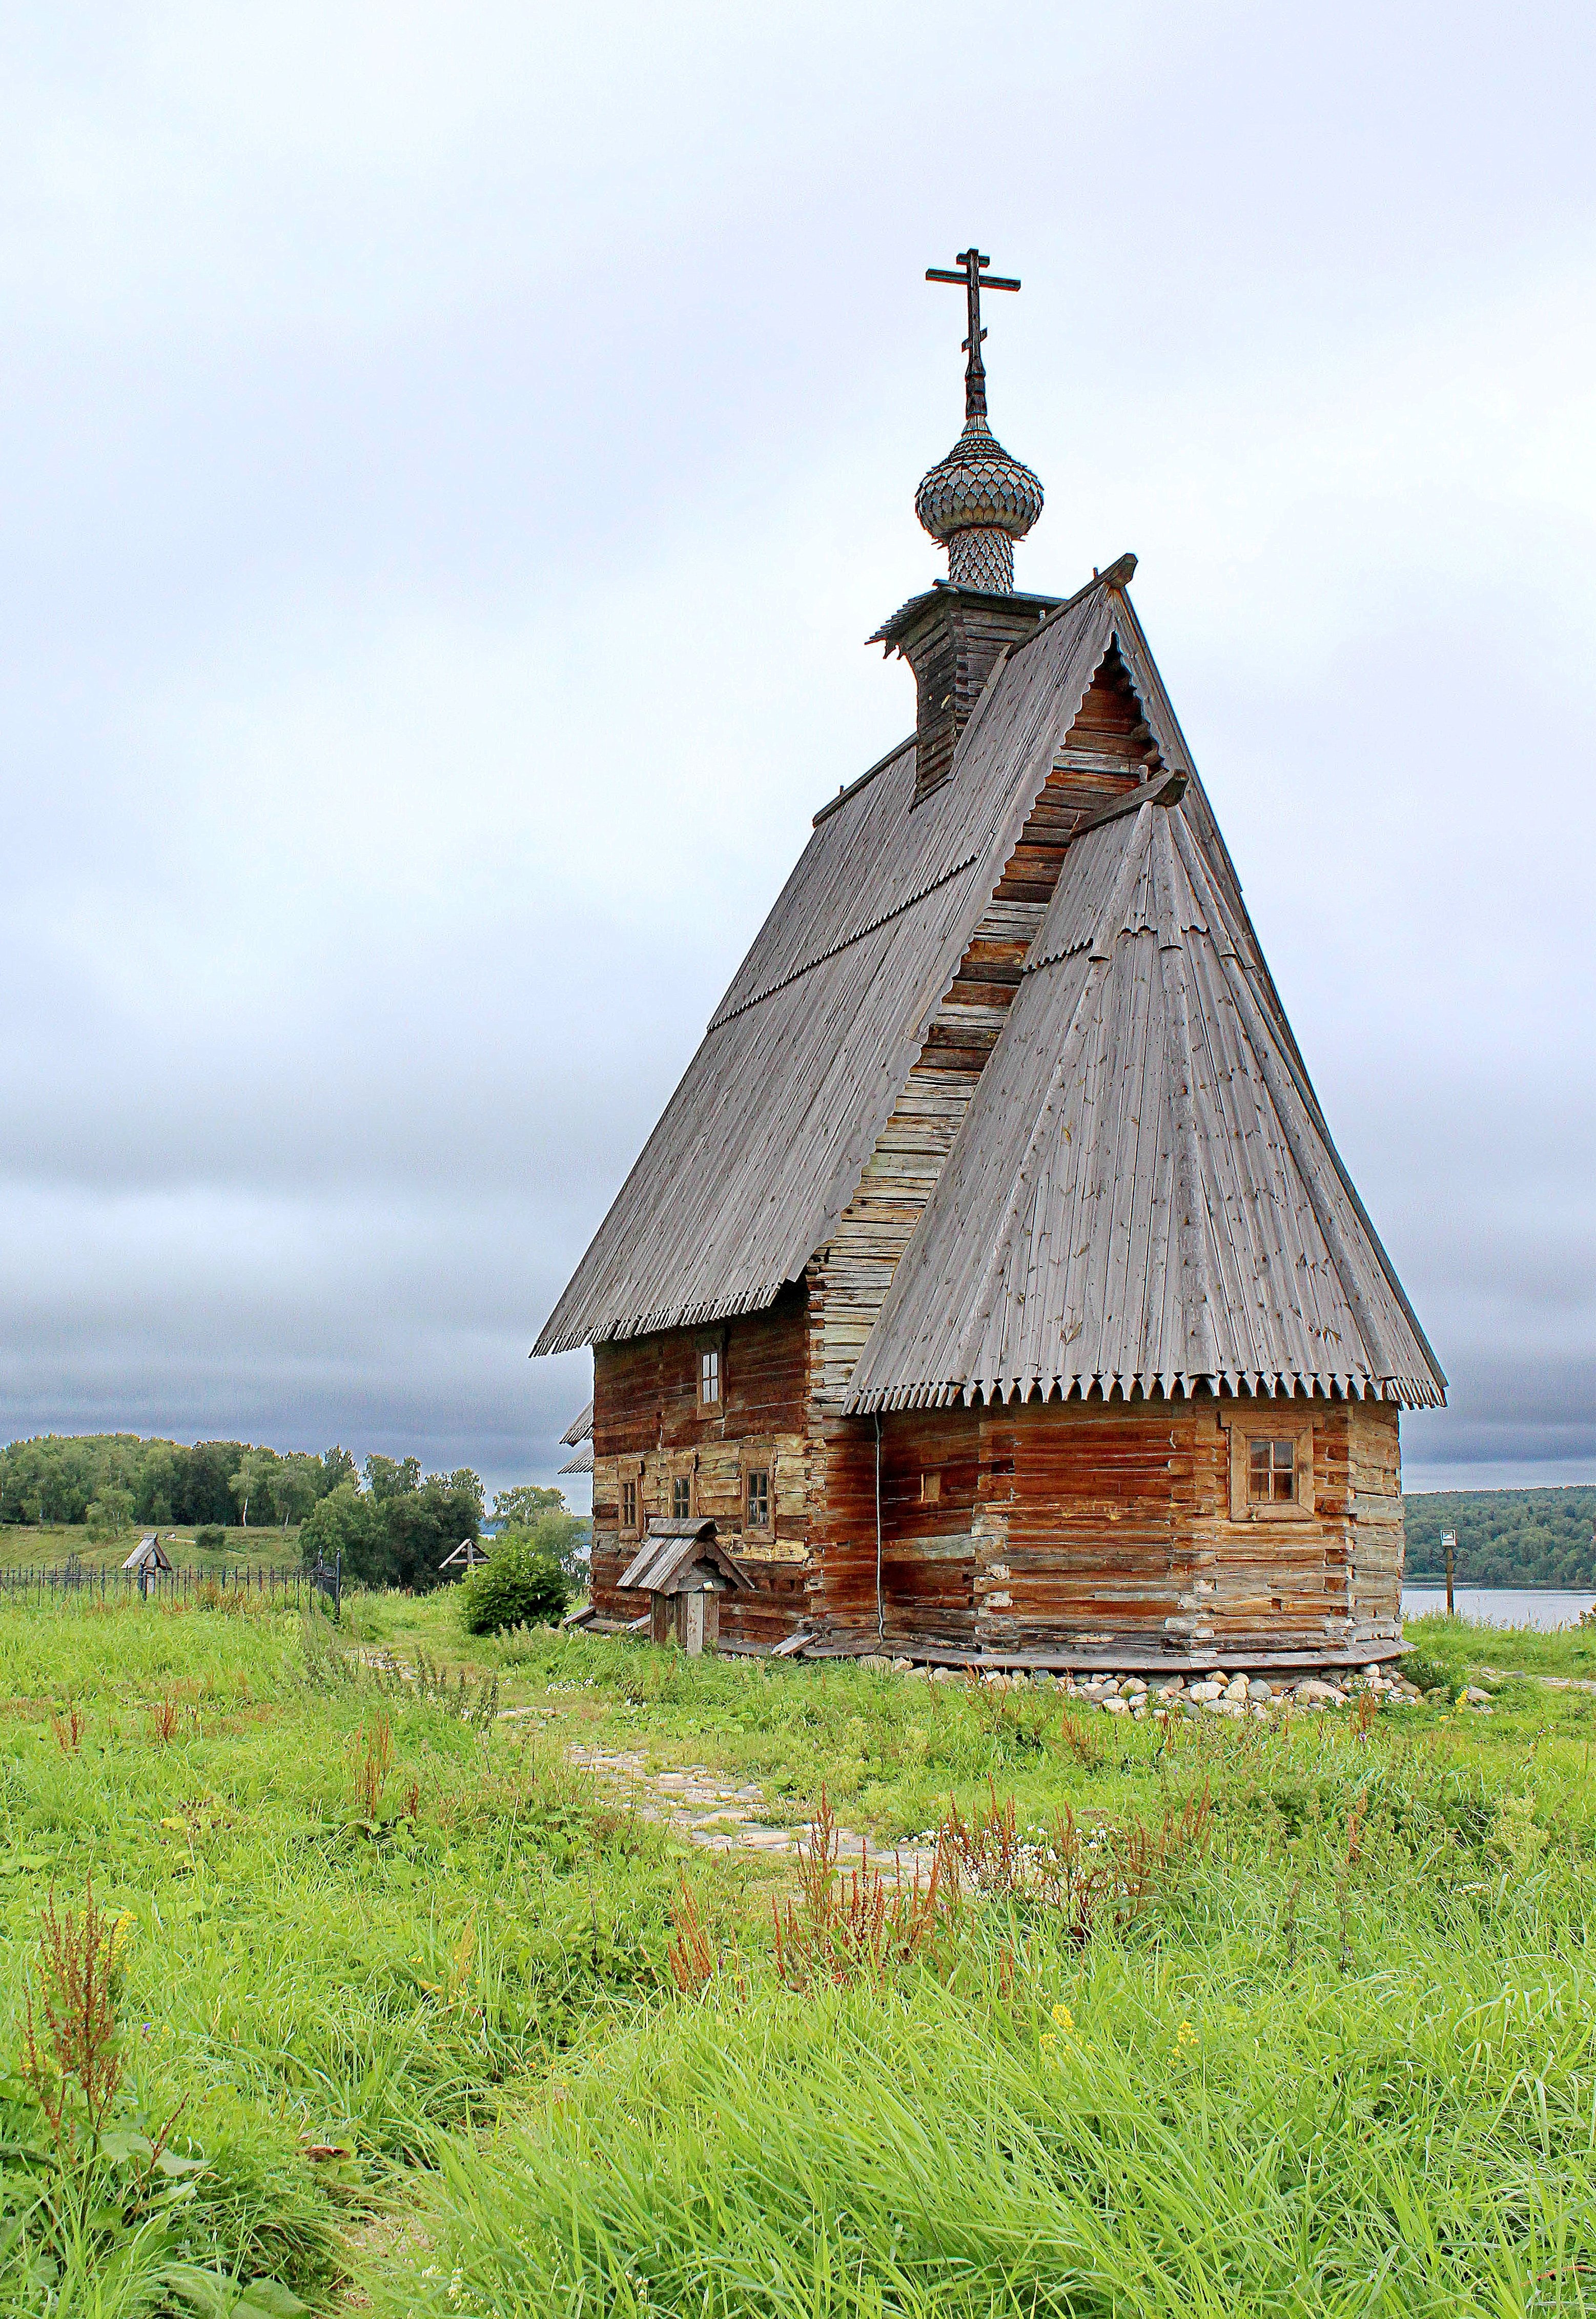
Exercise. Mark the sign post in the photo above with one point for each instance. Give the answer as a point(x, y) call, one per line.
point(1449, 1541)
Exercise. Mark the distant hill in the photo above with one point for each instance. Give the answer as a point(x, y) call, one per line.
point(1505, 1538)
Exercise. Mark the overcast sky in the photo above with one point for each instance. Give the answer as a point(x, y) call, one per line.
point(451, 459)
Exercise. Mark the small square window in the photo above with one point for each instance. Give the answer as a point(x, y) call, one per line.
point(709, 1374)
point(759, 1500)
point(1271, 1473)
point(681, 1491)
point(930, 1489)
point(628, 1505)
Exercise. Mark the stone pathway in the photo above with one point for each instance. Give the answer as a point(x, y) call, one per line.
point(722, 1819)
point(1549, 1681)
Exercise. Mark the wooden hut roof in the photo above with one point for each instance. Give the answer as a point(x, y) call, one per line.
point(1144, 1191)
point(464, 1556)
point(670, 1556)
point(149, 1553)
point(579, 1434)
point(1026, 1272)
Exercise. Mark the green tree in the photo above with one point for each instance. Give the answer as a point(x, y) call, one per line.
point(253, 1481)
point(556, 1537)
point(337, 1466)
point(520, 1507)
point(396, 1532)
point(295, 1486)
point(207, 1494)
point(110, 1513)
point(159, 1483)
point(392, 1477)
point(346, 1522)
point(423, 1525)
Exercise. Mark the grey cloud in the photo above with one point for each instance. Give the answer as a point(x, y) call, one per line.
point(451, 474)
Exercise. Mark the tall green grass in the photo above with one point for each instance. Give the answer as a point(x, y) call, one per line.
point(304, 1972)
point(1341, 2064)
point(1210, 2136)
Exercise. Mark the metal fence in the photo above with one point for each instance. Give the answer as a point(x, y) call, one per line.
point(290, 1588)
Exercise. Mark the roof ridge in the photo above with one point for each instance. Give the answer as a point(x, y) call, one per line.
point(834, 950)
point(853, 787)
point(1117, 576)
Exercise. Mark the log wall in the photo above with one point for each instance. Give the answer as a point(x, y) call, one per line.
point(1084, 1526)
point(651, 1427)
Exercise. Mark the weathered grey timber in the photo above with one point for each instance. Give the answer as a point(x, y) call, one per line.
point(579, 1434)
point(1143, 1192)
point(763, 1143)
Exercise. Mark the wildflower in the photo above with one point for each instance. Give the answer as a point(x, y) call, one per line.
point(1184, 2036)
point(1047, 2041)
point(1063, 2016)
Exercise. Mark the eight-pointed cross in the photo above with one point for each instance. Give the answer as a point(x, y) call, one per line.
point(971, 263)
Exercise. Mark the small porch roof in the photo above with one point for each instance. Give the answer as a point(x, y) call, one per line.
point(680, 1557)
point(149, 1553)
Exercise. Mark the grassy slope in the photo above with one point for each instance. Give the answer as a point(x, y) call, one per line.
point(46, 1546)
point(1304, 2082)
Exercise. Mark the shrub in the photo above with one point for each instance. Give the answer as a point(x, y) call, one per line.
point(210, 1538)
point(1425, 1673)
point(517, 1586)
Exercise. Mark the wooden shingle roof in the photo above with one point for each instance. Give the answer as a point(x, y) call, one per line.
point(676, 1556)
point(760, 1148)
point(1143, 1192)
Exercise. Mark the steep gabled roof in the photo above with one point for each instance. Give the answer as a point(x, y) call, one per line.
point(1143, 1192)
point(764, 1141)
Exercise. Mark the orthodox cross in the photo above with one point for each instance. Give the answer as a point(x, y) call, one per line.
point(971, 263)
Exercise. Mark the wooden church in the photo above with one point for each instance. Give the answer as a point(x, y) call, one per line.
point(992, 1282)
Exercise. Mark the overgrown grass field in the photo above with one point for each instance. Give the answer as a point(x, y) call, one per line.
point(396, 2009)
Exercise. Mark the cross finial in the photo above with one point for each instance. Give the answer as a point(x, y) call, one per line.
point(971, 264)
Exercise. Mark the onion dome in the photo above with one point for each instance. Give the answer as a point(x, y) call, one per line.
point(978, 502)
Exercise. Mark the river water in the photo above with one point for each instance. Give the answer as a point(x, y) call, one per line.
point(1503, 1606)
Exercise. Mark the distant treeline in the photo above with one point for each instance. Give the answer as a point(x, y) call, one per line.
point(1505, 1538)
point(388, 1523)
point(114, 1479)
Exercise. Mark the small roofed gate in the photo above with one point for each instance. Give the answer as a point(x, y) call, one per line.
point(684, 1571)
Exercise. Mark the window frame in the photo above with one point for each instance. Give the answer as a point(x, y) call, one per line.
point(1259, 1421)
point(681, 1497)
point(1271, 1461)
point(762, 1521)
